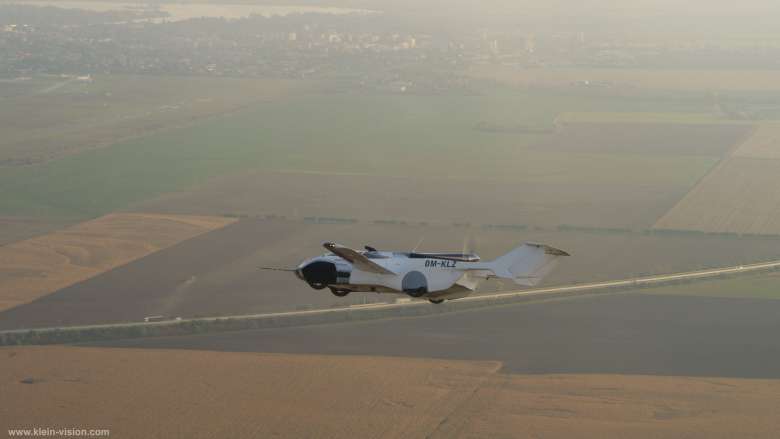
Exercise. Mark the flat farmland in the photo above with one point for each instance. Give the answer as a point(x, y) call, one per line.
point(756, 286)
point(763, 144)
point(617, 334)
point(376, 135)
point(19, 228)
point(741, 195)
point(338, 396)
point(47, 117)
point(232, 395)
point(666, 139)
point(217, 273)
point(609, 176)
point(658, 79)
point(35, 267)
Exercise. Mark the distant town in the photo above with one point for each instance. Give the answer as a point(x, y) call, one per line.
point(375, 51)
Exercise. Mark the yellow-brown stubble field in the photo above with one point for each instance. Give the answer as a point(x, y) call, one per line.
point(194, 394)
point(39, 266)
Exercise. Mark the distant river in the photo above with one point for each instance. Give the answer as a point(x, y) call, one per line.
point(186, 11)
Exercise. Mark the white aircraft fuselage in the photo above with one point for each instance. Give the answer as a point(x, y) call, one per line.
point(435, 276)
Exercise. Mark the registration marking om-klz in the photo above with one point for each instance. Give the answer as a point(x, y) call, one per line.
point(440, 263)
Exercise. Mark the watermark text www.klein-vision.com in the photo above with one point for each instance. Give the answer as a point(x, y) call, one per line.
point(58, 432)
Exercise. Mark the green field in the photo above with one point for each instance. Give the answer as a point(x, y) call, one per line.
point(389, 135)
point(47, 117)
point(765, 286)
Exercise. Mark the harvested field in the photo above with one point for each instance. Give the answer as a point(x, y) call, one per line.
point(763, 144)
point(38, 266)
point(567, 406)
point(741, 195)
point(216, 273)
point(157, 394)
point(207, 394)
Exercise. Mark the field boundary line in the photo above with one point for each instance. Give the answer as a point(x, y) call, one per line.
point(702, 180)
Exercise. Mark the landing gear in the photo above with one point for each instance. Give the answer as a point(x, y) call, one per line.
point(339, 293)
point(317, 286)
point(418, 292)
point(436, 301)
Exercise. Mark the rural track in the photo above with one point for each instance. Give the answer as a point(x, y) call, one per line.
point(475, 301)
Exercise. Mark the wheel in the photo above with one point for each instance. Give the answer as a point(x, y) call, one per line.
point(318, 286)
point(436, 301)
point(339, 293)
point(419, 292)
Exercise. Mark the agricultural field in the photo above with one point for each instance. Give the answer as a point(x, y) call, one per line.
point(432, 136)
point(765, 286)
point(740, 196)
point(608, 176)
point(33, 268)
point(338, 396)
point(217, 273)
point(47, 117)
point(634, 79)
point(14, 228)
point(618, 334)
point(498, 168)
point(763, 144)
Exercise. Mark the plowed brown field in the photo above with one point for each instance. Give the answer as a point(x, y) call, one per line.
point(38, 266)
point(161, 394)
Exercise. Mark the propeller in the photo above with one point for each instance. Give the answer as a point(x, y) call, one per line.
point(289, 270)
point(419, 242)
point(469, 244)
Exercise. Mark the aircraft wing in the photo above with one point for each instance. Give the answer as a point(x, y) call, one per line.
point(356, 258)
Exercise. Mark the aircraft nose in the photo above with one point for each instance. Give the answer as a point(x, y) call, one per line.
point(318, 273)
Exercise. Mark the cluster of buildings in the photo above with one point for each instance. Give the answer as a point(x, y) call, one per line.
point(370, 51)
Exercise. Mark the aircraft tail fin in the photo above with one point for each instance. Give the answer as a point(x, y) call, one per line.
point(527, 264)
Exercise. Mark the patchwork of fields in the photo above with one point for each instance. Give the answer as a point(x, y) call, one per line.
point(588, 172)
point(497, 168)
point(217, 273)
point(400, 136)
point(609, 176)
point(33, 268)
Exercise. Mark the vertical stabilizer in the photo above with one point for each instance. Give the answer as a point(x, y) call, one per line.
point(527, 264)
